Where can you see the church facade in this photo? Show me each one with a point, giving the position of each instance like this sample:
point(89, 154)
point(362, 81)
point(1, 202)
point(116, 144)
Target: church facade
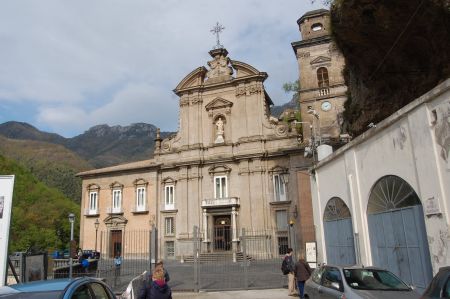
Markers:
point(230, 166)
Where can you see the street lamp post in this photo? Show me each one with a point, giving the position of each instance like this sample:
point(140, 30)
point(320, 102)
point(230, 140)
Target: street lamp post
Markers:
point(71, 220)
point(97, 224)
point(293, 230)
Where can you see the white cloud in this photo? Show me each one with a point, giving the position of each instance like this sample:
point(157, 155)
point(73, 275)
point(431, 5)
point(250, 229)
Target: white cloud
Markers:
point(91, 59)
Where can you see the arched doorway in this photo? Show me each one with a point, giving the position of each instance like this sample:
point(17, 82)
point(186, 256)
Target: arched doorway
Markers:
point(338, 230)
point(398, 237)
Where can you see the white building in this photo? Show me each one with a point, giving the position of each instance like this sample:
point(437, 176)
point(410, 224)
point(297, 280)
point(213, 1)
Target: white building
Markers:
point(384, 198)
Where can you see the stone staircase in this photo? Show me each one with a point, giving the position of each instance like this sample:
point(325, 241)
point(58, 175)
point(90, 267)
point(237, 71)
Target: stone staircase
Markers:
point(221, 256)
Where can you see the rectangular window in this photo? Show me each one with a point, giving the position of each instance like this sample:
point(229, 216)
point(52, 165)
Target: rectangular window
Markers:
point(279, 188)
point(140, 199)
point(170, 226)
point(117, 201)
point(220, 190)
point(169, 197)
point(170, 248)
point(281, 220)
point(93, 202)
point(282, 245)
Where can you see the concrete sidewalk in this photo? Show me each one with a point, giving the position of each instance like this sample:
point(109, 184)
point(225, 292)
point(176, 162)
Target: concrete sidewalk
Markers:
point(253, 294)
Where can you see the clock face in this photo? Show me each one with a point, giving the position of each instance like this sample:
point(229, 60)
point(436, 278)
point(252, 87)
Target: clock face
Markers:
point(326, 106)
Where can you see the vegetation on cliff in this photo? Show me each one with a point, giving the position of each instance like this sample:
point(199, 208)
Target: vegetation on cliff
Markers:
point(50, 163)
point(39, 213)
point(395, 51)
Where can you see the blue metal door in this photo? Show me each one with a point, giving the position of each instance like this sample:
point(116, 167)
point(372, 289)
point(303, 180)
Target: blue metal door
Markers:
point(398, 242)
point(338, 230)
point(339, 242)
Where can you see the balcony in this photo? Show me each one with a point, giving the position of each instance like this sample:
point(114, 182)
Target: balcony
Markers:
point(89, 212)
point(139, 210)
point(220, 202)
point(113, 211)
point(324, 92)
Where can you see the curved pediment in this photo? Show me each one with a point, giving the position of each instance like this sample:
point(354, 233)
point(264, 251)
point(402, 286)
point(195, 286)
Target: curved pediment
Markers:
point(115, 220)
point(218, 103)
point(116, 185)
point(195, 78)
point(278, 169)
point(217, 169)
point(243, 69)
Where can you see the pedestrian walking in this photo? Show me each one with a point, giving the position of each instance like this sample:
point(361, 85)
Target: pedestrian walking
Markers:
point(156, 288)
point(302, 273)
point(117, 265)
point(288, 264)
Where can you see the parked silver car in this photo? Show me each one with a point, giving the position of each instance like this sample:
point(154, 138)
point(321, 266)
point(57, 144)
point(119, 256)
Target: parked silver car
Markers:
point(329, 281)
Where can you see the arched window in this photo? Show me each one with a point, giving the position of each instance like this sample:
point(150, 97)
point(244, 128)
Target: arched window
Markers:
point(316, 27)
point(389, 193)
point(322, 77)
point(336, 209)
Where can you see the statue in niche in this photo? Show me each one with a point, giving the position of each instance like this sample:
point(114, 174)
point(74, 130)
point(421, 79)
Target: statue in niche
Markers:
point(219, 131)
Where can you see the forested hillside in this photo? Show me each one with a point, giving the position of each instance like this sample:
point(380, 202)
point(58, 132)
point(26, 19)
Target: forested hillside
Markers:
point(50, 163)
point(39, 214)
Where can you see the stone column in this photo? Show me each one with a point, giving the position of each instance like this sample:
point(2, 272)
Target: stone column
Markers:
point(234, 228)
point(205, 226)
point(233, 224)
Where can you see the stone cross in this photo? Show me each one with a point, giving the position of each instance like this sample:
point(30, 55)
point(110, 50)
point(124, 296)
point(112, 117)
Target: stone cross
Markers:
point(216, 30)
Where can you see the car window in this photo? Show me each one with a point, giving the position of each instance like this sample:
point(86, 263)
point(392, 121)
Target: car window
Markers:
point(317, 275)
point(331, 278)
point(99, 291)
point(374, 279)
point(82, 293)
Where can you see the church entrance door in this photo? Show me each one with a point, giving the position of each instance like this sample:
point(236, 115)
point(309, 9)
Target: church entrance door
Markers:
point(222, 233)
point(116, 243)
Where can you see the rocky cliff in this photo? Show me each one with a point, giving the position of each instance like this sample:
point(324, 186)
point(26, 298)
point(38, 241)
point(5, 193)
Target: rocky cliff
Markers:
point(395, 51)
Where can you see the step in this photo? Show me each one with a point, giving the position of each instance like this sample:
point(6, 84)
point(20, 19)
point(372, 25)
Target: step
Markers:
point(216, 257)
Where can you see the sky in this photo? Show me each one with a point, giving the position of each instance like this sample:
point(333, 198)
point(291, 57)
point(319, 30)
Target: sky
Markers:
point(66, 66)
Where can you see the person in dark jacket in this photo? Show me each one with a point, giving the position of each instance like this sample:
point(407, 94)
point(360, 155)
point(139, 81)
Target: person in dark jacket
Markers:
point(291, 275)
point(302, 273)
point(157, 287)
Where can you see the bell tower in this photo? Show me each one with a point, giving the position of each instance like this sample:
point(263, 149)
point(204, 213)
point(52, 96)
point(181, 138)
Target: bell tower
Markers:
point(322, 88)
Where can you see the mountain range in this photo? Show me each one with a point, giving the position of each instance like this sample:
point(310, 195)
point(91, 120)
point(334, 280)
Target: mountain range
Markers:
point(100, 146)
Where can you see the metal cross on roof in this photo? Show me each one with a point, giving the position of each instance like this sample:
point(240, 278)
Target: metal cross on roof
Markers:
point(216, 30)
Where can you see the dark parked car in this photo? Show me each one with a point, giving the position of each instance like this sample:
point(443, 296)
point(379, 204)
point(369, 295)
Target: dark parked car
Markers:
point(78, 288)
point(439, 286)
point(329, 281)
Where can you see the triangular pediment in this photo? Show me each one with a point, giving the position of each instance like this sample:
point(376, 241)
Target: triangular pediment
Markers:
point(320, 59)
point(218, 103)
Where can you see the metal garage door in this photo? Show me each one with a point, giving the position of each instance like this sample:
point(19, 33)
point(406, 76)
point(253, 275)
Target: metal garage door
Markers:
point(397, 231)
point(338, 229)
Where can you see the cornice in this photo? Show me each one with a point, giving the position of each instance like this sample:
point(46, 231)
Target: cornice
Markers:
point(310, 42)
point(261, 77)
